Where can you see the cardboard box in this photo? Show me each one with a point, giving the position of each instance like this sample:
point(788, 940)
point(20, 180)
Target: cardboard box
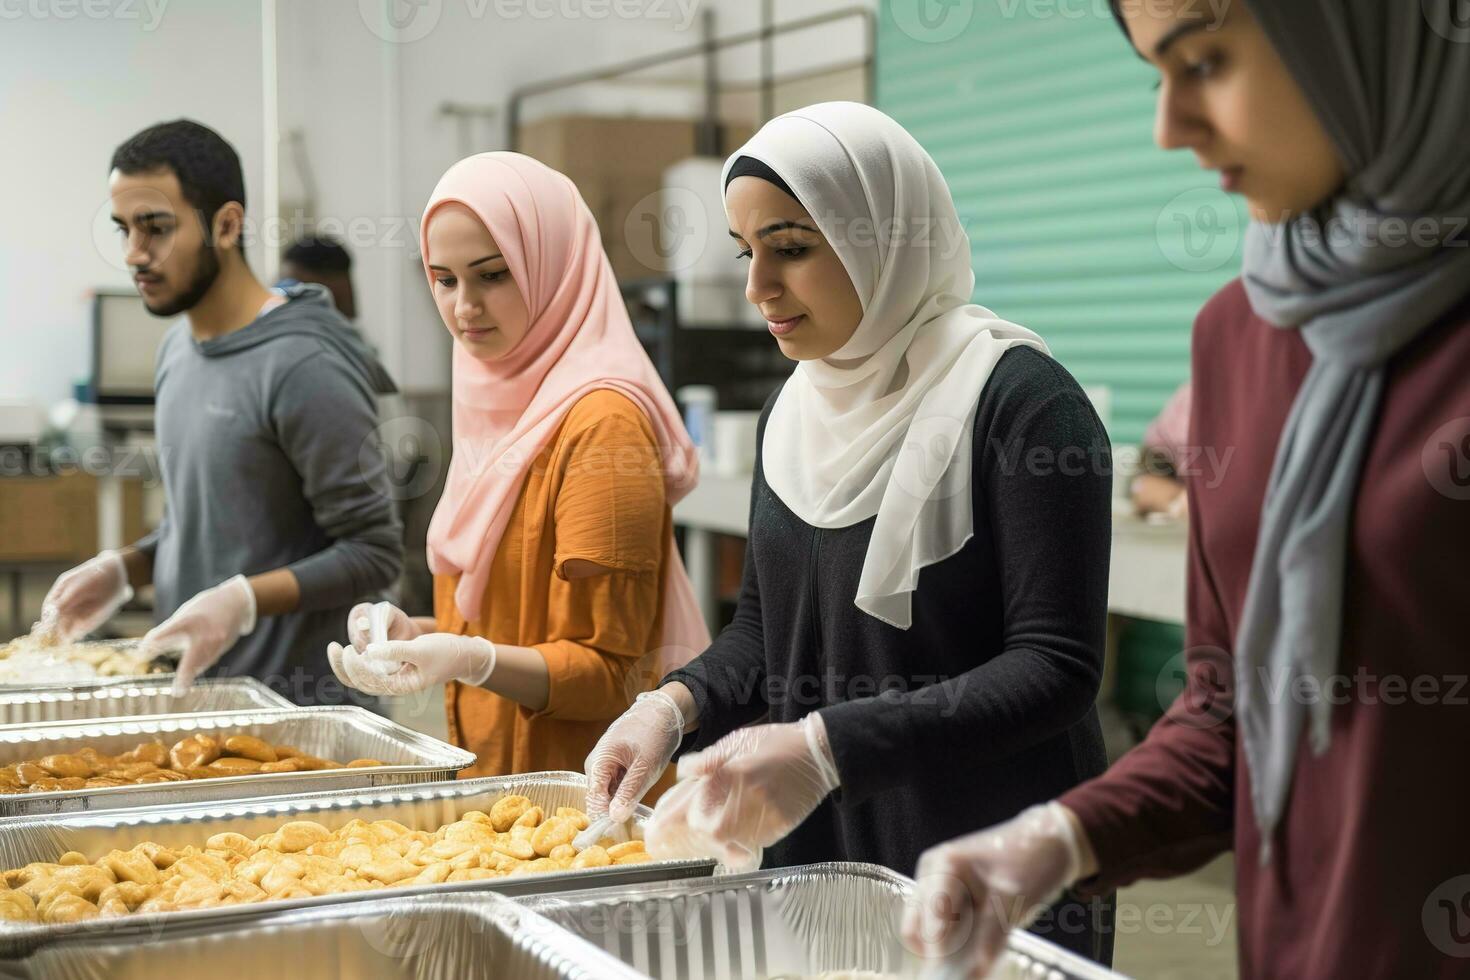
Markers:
point(51, 518)
point(618, 165)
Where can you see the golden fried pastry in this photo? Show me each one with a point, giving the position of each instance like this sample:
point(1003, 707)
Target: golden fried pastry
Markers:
point(197, 756)
point(196, 750)
point(551, 834)
point(282, 765)
point(250, 747)
point(130, 866)
point(230, 765)
point(63, 766)
point(506, 811)
point(303, 858)
point(232, 843)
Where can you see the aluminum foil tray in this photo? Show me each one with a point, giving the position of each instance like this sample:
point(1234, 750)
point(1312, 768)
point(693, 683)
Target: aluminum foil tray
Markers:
point(421, 807)
point(820, 919)
point(416, 938)
point(340, 733)
point(141, 696)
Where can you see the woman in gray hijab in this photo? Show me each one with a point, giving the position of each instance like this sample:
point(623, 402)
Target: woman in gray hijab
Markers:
point(1327, 572)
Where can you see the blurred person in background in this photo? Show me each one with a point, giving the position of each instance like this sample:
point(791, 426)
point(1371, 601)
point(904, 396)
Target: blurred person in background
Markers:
point(276, 520)
point(1327, 573)
point(1159, 488)
point(323, 260)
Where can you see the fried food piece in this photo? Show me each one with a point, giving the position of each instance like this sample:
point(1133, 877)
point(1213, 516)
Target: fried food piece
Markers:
point(232, 843)
point(552, 834)
point(63, 766)
point(593, 857)
point(230, 765)
point(531, 819)
point(298, 835)
point(131, 866)
point(507, 810)
point(154, 753)
point(576, 816)
point(250, 747)
point(68, 908)
point(29, 773)
point(624, 849)
point(195, 750)
point(17, 907)
point(282, 765)
point(160, 776)
point(162, 857)
point(303, 858)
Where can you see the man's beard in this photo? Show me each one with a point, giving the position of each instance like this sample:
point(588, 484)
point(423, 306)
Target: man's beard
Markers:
point(205, 273)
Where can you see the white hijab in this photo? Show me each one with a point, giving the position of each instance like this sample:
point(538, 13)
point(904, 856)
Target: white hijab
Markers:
point(883, 426)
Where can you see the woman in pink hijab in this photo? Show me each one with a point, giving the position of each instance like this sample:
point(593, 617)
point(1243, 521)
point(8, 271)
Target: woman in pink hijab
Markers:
point(559, 594)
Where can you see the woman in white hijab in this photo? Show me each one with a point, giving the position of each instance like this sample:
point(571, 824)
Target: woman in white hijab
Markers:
point(922, 615)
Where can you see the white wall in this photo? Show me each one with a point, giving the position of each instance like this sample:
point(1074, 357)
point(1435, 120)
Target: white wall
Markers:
point(364, 96)
point(76, 79)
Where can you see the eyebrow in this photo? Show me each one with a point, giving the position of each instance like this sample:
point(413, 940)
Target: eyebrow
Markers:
point(1182, 30)
point(776, 226)
point(488, 258)
point(145, 216)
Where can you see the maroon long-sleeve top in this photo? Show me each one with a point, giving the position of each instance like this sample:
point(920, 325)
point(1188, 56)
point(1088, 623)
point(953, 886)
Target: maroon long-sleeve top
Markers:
point(1370, 870)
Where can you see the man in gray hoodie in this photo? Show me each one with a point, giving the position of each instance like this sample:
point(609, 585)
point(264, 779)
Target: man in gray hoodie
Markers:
point(278, 510)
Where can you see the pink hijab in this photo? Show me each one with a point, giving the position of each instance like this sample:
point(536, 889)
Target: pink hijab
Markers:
point(579, 340)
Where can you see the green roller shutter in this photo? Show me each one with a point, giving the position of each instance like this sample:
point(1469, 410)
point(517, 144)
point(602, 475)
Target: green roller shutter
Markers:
point(1081, 228)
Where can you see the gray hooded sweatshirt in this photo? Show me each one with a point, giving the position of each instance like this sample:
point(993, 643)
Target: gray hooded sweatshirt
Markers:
point(269, 456)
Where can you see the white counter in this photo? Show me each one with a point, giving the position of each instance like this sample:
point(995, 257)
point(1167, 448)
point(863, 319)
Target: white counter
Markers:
point(1146, 577)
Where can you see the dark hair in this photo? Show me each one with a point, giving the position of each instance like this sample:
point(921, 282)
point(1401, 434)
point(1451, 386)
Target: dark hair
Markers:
point(319, 253)
point(1116, 6)
point(208, 168)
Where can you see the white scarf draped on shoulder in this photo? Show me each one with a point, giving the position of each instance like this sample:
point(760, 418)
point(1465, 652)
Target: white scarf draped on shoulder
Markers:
point(883, 427)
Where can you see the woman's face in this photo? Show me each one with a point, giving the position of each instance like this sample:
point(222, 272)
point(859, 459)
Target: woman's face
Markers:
point(477, 299)
point(796, 279)
point(1225, 94)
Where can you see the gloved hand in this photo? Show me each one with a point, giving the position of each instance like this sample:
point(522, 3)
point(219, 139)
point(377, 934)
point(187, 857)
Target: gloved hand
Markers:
point(205, 627)
point(974, 889)
point(751, 788)
point(83, 598)
point(398, 625)
point(409, 666)
point(631, 755)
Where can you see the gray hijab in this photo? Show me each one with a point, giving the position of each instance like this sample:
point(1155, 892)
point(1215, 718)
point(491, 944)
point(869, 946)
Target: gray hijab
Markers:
point(1390, 81)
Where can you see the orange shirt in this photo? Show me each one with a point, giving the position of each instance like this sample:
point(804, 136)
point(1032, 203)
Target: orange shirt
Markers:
point(595, 492)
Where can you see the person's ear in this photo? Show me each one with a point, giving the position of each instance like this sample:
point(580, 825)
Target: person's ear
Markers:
point(229, 226)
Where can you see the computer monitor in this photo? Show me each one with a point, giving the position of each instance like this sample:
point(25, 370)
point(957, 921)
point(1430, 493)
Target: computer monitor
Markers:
point(125, 339)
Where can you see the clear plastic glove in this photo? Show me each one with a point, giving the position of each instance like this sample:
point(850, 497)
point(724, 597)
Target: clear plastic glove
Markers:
point(618, 831)
point(409, 666)
point(974, 889)
point(204, 628)
point(748, 790)
point(631, 755)
point(83, 598)
point(394, 623)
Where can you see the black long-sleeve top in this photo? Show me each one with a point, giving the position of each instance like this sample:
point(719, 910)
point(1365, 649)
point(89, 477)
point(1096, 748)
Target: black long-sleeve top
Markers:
point(985, 705)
